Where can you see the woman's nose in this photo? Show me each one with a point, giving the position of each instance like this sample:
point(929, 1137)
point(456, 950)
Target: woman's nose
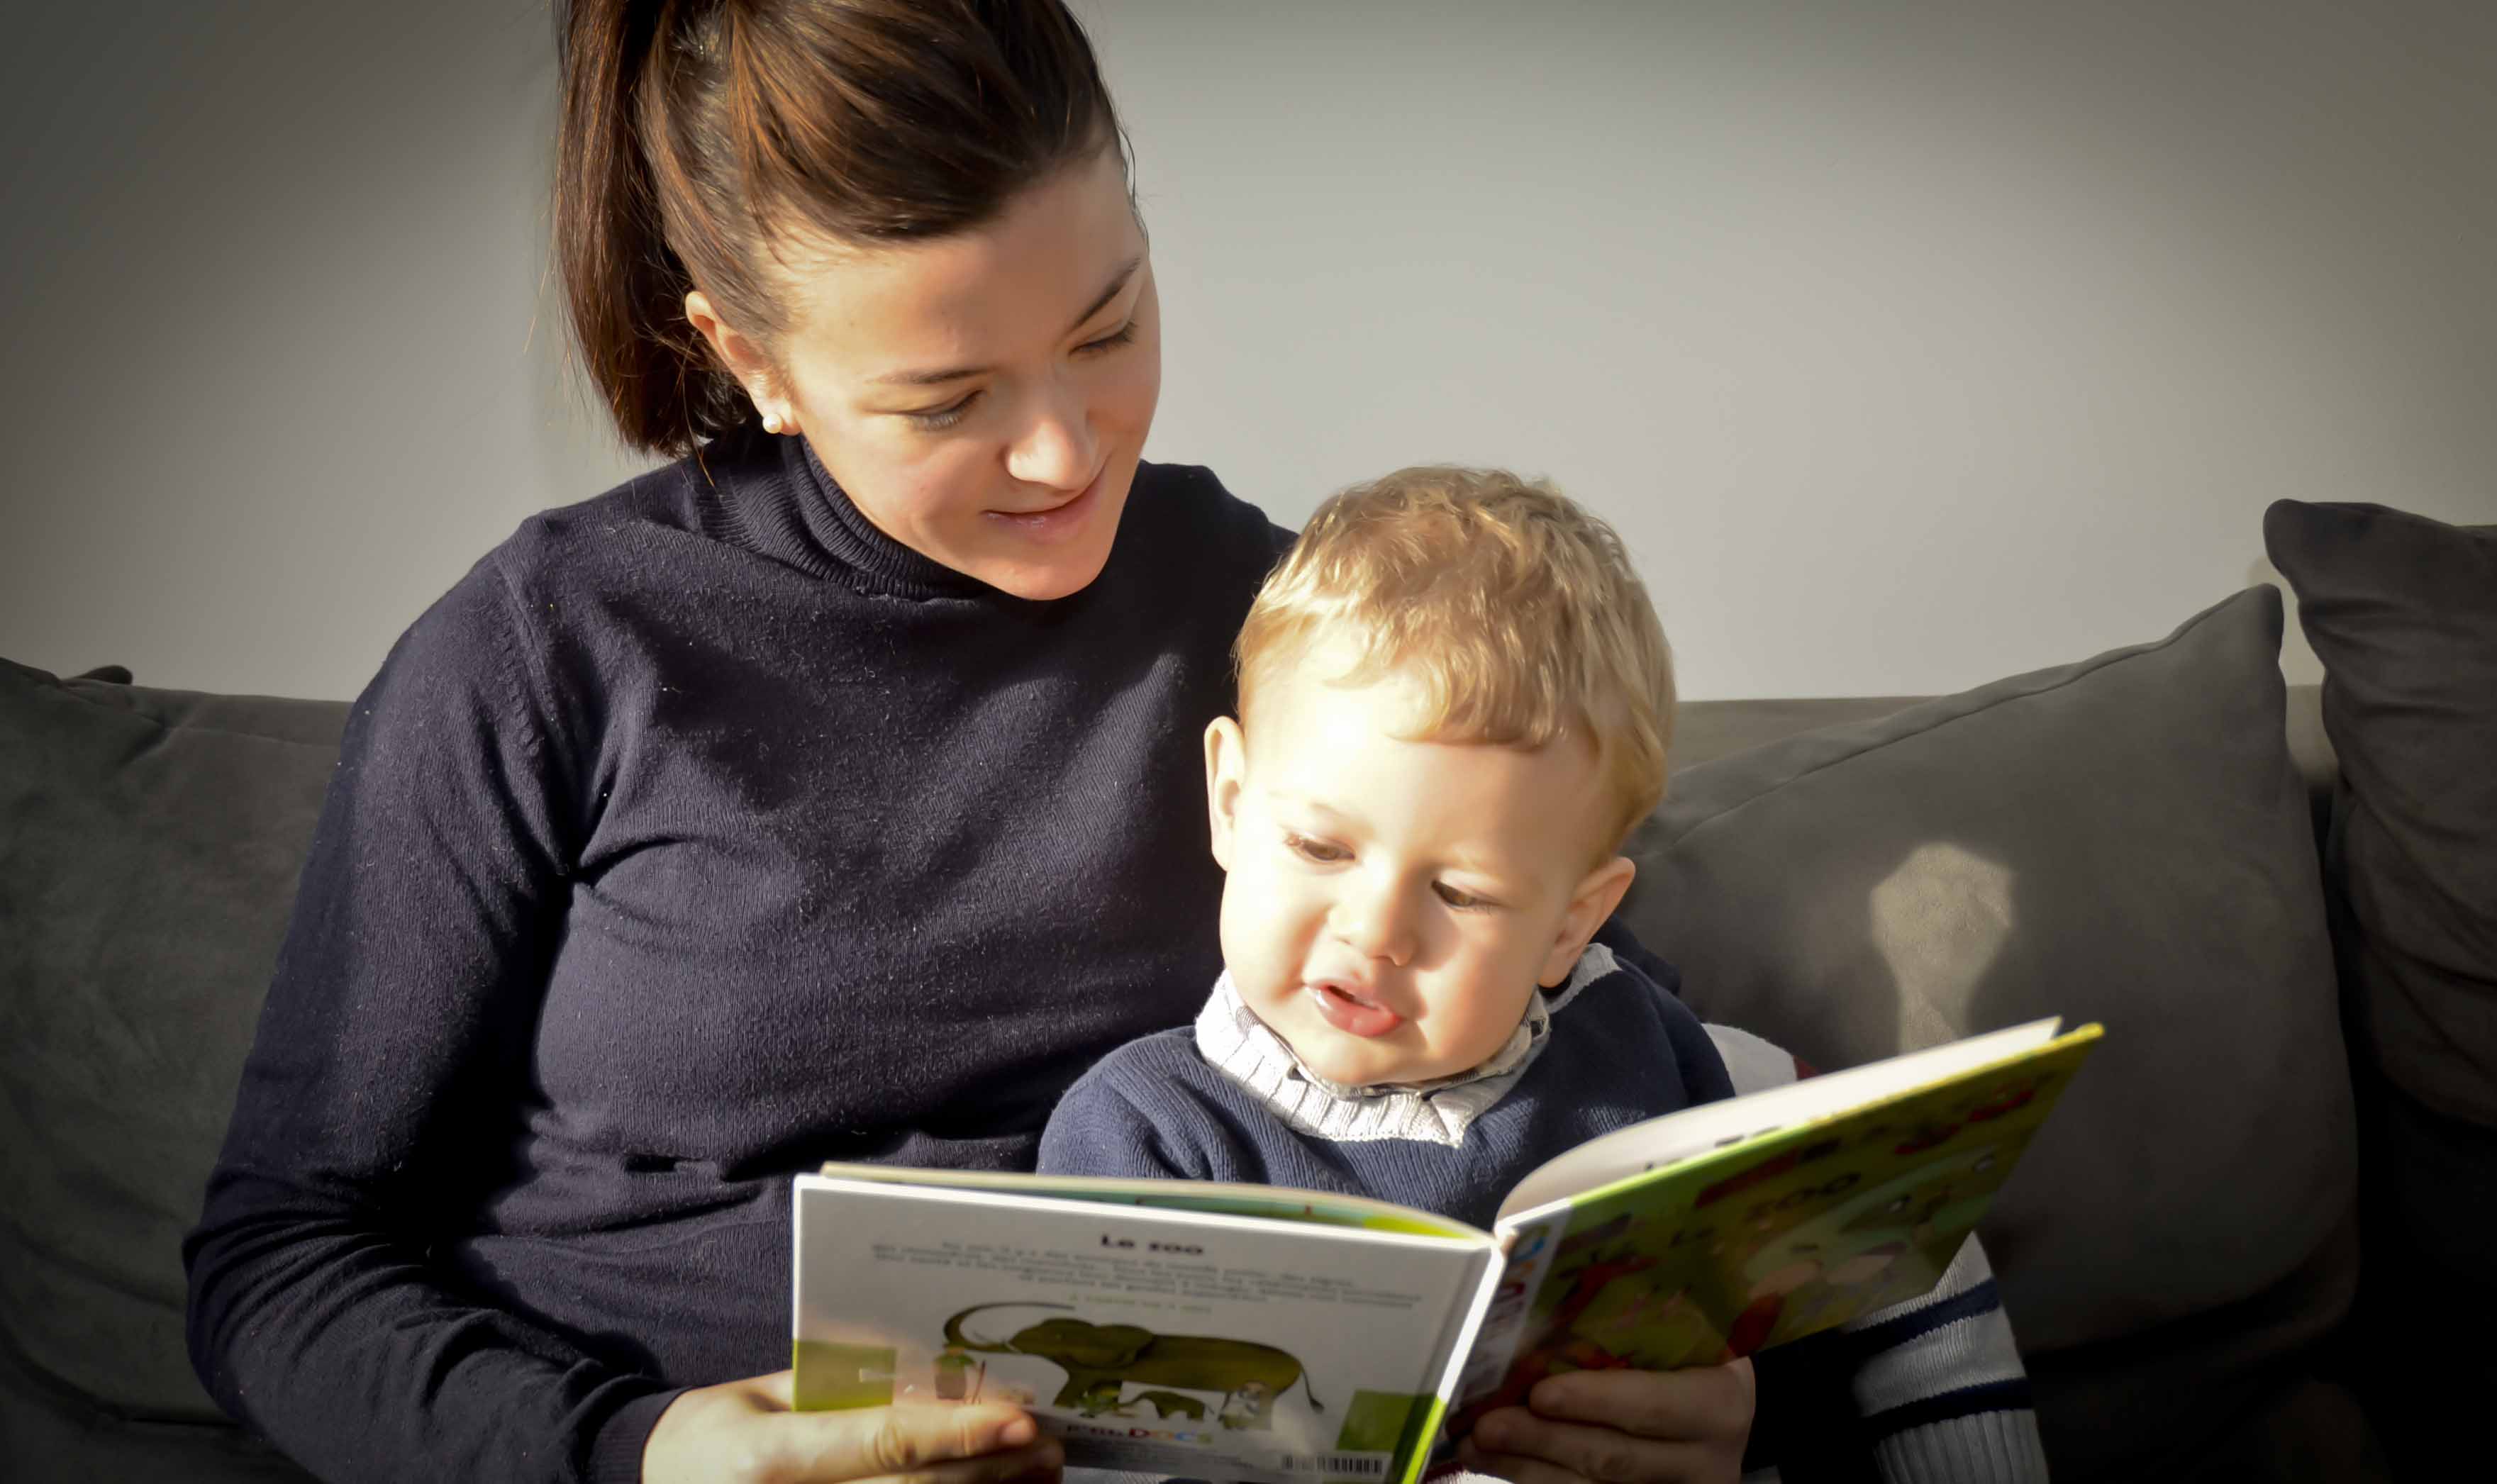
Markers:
point(1057, 449)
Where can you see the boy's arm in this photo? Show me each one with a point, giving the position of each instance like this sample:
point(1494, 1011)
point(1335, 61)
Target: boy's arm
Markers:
point(1939, 1385)
point(1112, 1122)
point(1934, 1389)
point(1936, 1384)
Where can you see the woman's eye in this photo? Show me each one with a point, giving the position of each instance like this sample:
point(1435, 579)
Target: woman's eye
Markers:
point(946, 416)
point(936, 419)
point(1319, 852)
point(1122, 335)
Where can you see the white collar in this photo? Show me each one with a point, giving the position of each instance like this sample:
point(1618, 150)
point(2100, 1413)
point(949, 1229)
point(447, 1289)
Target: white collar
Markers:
point(1232, 1039)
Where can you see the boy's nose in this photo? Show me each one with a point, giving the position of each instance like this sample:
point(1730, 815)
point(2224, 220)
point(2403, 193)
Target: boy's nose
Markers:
point(1377, 924)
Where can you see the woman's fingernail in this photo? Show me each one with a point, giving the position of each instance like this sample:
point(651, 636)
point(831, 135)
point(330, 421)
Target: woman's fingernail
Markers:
point(1019, 1431)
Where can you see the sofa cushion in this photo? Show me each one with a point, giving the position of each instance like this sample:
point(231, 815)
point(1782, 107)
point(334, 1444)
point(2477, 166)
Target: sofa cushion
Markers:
point(149, 843)
point(49, 1435)
point(2125, 841)
point(2402, 610)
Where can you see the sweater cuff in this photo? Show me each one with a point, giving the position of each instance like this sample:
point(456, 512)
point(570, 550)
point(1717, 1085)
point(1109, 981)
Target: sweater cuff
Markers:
point(1998, 1447)
point(616, 1452)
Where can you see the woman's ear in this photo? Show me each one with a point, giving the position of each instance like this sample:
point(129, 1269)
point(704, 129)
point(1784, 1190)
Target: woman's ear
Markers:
point(1225, 760)
point(1598, 893)
point(743, 357)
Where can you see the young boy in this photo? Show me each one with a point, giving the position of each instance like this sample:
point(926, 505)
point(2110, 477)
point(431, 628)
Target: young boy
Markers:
point(1455, 704)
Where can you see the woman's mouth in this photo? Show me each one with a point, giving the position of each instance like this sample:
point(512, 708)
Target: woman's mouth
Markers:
point(1054, 522)
point(1352, 1011)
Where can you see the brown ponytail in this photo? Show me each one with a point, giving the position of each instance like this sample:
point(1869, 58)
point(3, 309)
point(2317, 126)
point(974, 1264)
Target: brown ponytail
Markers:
point(698, 134)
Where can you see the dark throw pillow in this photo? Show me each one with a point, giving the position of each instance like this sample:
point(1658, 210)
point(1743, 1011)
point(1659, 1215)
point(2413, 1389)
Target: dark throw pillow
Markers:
point(2402, 610)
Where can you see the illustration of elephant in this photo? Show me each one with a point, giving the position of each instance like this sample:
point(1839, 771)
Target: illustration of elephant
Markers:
point(1170, 1404)
point(1102, 1357)
point(1104, 1396)
point(1248, 1408)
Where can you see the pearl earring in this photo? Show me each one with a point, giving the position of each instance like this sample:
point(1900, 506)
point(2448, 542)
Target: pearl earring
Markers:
point(771, 423)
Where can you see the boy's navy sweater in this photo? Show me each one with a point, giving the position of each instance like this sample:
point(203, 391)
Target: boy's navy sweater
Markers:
point(699, 835)
point(1623, 1049)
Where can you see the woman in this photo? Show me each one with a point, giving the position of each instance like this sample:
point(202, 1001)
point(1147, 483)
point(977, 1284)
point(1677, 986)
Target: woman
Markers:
point(828, 793)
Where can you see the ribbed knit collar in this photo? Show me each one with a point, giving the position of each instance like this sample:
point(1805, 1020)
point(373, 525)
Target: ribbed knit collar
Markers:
point(776, 498)
point(1235, 1042)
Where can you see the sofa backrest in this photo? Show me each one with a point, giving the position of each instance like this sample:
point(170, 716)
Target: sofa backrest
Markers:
point(1707, 730)
point(149, 844)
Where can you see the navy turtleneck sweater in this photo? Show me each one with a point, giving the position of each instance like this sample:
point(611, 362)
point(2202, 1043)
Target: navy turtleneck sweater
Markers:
point(700, 834)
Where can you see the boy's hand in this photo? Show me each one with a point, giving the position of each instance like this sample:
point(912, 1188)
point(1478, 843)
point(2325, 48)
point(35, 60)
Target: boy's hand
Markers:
point(744, 1431)
point(1622, 1427)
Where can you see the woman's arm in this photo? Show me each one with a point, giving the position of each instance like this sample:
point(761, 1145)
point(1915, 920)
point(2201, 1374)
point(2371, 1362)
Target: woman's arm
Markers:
point(384, 1088)
point(383, 1102)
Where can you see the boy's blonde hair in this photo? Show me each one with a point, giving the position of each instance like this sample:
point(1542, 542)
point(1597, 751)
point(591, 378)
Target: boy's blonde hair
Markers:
point(1514, 611)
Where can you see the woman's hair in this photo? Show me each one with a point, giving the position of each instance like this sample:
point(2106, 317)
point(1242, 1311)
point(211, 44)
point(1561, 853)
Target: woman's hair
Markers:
point(703, 139)
point(1514, 611)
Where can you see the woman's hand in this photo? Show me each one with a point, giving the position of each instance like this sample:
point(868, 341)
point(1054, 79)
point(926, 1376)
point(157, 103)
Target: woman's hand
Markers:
point(1622, 1427)
point(744, 1431)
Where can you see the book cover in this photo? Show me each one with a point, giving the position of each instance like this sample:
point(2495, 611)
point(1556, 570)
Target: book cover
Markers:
point(1785, 1231)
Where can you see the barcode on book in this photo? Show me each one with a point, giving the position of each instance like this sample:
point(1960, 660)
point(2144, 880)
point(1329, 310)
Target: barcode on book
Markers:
point(1364, 1464)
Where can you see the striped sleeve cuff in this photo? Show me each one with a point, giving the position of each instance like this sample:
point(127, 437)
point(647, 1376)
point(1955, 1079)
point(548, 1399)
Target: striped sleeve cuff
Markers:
point(1985, 1448)
point(1939, 1385)
point(1942, 1355)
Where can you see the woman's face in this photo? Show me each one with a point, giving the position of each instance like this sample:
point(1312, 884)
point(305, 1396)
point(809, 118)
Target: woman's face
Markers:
point(982, 399)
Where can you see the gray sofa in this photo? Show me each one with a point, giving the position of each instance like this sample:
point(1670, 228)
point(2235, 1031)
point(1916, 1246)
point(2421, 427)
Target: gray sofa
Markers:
point(2145, 838)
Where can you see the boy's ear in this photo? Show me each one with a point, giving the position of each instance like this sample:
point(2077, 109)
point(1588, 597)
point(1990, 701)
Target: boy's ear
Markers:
point(1598, 893)
point(1225, 760)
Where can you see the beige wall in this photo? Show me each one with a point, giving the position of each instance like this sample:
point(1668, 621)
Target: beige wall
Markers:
point(277, 262)
point(1909, 344)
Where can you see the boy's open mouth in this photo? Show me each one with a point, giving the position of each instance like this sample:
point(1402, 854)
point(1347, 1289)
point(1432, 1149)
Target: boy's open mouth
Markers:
point(1350, 1011)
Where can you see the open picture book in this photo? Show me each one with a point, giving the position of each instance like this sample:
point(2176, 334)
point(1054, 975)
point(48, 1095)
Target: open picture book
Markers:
point(1292, 1337)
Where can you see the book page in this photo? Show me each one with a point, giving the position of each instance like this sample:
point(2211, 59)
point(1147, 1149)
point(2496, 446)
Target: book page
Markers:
point(1678, 1136)
point(1172, 1342)
point(1272, 1203)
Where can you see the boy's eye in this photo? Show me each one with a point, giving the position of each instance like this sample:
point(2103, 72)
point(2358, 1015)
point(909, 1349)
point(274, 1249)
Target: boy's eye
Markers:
point(1463, 902)
point(1320, 852)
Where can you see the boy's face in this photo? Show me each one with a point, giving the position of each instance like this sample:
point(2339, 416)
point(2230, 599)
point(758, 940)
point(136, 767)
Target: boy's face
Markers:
point(1391, 904)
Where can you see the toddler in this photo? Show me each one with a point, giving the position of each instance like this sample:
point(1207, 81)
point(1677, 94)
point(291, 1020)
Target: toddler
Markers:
point(1455, 703)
